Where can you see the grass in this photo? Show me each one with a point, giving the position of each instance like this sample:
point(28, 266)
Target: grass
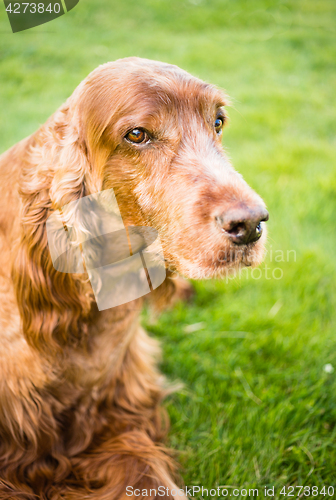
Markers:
point(258, 407)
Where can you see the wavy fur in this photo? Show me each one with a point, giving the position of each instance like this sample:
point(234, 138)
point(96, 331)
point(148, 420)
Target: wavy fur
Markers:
point(80, 393)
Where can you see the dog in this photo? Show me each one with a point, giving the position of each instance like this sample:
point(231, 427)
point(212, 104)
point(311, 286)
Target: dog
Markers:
point(80, 392)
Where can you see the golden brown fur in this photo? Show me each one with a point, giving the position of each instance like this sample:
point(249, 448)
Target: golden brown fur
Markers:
point(80, 392)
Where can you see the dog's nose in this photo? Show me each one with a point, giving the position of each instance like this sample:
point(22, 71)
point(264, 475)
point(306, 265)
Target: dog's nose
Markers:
point(243, 224)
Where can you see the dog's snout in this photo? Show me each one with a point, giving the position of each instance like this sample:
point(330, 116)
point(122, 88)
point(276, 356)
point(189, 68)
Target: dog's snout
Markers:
point(243, 225)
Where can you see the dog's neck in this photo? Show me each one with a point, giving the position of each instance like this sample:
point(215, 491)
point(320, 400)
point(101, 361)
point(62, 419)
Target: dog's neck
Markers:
point(97, 359)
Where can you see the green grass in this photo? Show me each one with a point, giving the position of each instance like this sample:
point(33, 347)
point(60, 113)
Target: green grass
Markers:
point(258, 408)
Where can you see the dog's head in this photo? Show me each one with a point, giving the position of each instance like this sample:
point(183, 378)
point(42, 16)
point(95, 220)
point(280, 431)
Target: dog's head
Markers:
point(152, 132)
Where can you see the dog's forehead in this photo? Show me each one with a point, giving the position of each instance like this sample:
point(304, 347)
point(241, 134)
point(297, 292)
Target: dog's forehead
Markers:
point(132, 80)
point(170, 85)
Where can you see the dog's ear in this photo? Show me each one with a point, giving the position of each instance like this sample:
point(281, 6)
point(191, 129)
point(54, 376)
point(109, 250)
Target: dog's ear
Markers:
point(52, 304)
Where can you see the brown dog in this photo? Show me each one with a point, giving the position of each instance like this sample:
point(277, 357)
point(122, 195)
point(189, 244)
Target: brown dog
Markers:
point(80, 393)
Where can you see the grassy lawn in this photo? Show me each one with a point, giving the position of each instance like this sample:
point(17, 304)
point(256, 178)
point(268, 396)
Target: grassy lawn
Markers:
point(259, 403)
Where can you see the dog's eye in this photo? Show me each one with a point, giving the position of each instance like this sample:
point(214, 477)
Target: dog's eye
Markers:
point(137, 136)
point(219, 124)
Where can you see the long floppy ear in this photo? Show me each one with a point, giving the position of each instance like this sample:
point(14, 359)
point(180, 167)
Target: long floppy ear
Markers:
point(53, 305)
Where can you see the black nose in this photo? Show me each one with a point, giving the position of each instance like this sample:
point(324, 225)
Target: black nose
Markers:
point(243, 225)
